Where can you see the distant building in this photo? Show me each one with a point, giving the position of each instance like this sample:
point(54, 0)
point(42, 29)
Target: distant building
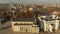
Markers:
point(48, 24)
point(25, 25)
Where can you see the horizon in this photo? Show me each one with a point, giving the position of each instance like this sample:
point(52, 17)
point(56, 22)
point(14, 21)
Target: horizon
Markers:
point(31, 1)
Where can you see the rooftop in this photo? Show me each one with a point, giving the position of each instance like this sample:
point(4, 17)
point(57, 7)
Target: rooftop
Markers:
point(24, 19)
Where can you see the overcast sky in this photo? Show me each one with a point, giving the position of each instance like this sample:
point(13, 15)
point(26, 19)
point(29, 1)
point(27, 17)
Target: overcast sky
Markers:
point(32, 1)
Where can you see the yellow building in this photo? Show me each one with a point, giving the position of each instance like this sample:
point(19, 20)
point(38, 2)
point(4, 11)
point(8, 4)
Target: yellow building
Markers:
point(25, 25)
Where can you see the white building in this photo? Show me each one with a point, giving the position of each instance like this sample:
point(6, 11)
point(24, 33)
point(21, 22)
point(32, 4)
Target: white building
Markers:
point(25, 25)
point(49, 24)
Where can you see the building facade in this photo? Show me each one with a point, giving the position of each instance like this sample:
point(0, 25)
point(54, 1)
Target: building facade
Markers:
point(25, 26)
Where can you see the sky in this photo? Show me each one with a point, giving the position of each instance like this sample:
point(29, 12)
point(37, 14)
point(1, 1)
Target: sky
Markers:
point(32, 1)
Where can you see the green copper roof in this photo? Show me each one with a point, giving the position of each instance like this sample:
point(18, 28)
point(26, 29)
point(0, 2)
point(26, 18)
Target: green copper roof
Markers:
point(24, 19)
